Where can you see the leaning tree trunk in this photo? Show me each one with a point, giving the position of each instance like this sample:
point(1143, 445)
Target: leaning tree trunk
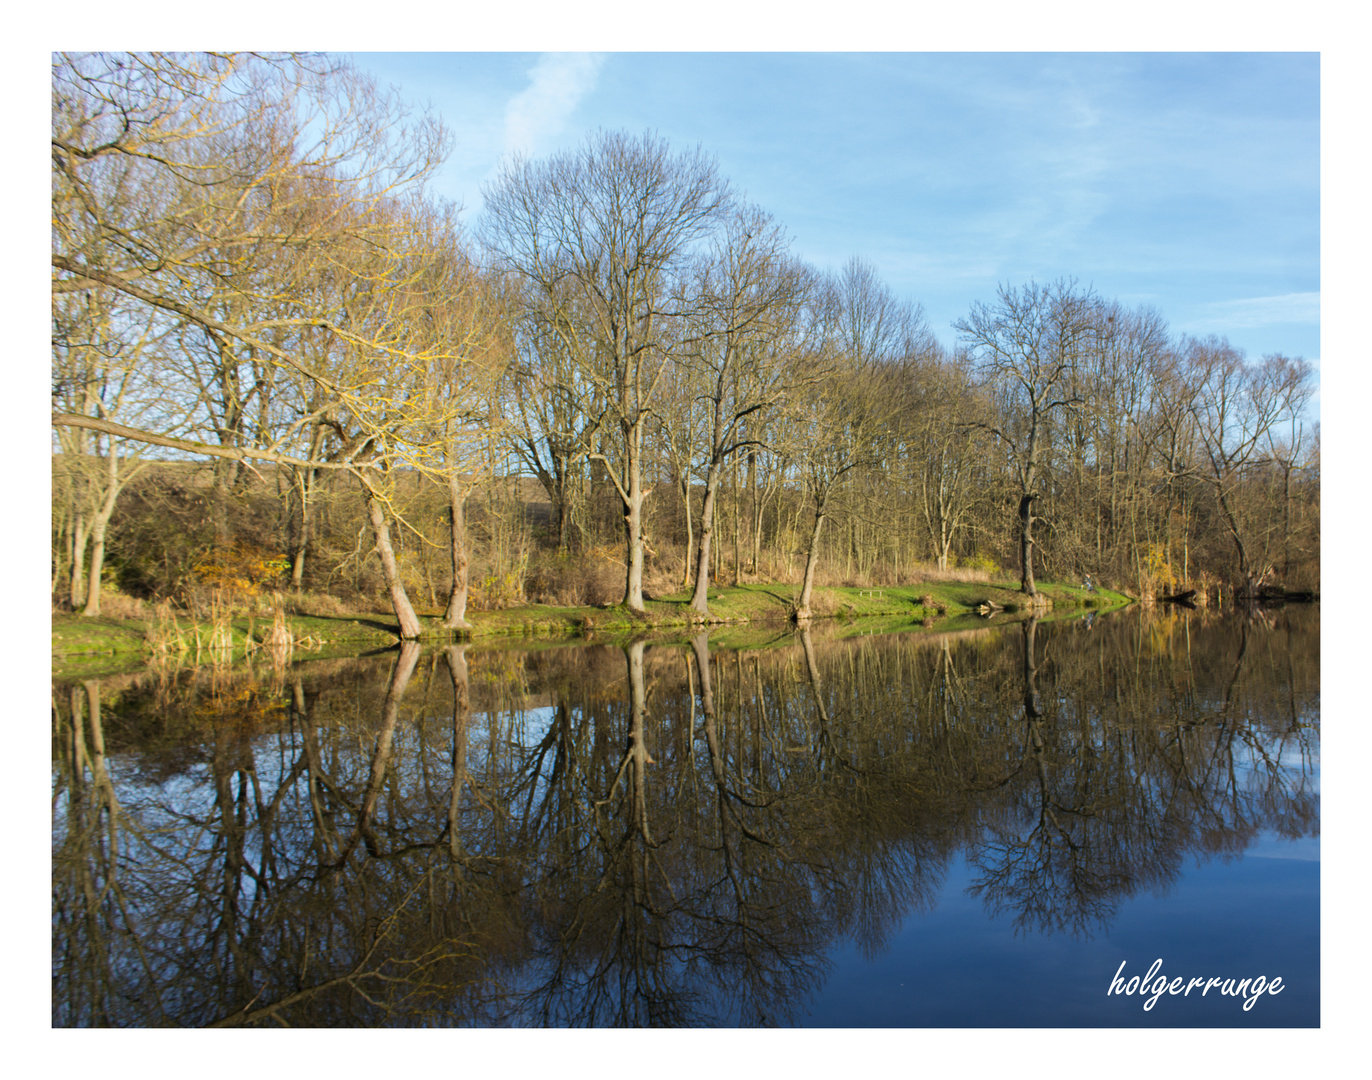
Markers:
point(811, 559)
point(455, 617)
point(404, 612)
point(381, 755)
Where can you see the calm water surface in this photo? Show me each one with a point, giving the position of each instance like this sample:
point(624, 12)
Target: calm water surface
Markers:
point(917, 829)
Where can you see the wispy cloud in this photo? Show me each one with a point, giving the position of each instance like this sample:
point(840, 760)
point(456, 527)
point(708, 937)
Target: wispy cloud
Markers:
point(557, 84)
point(1302, 307)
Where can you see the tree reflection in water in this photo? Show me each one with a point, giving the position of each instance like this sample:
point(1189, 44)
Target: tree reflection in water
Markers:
point(646, 834)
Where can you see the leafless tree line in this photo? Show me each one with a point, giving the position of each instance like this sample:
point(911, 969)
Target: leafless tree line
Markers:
point(250, 272)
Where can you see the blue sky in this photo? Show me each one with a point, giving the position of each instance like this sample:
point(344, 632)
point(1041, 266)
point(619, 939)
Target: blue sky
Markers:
point(1188, 181)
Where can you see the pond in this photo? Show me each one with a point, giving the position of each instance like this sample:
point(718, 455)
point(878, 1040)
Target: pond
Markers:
point(1111, 821)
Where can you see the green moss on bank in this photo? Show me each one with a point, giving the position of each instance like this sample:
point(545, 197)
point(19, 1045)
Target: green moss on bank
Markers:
point(81, 645)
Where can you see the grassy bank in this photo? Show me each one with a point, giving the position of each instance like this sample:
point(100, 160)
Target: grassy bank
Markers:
point(80, 644)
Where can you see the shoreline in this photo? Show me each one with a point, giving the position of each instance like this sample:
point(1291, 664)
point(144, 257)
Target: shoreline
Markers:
point(80, 643)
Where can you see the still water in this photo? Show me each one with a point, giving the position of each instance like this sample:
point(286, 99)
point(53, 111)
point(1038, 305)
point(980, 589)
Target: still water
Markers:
point(908, 829)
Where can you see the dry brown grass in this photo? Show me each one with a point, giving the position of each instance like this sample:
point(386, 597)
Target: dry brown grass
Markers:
point(279, 638)
point(823, 603)
point(117, 605)
point(583, 580)
point(316, 605)
point(968, 574)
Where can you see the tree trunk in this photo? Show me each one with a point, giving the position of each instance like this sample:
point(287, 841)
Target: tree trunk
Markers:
point(1231, 523)
point(755, 517)
point(737, 523)
point(79, 533)
point(633, 522)
point(455, 617)
point(685, 484)
point(561, 496)
point(699, 601)
point(559, 507)
point(381, 754)
point(92, 606)
point(1286, 521)
point(637, 750)
point(304, 489)
point(98, 526)
point(404, 612)
point(633, 570)
point(811, 558)
point(221, 494)
point(462, 711)
point(1026, 544)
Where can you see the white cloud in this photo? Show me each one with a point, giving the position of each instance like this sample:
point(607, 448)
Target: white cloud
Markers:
point(557, 83)
point(1302, 307)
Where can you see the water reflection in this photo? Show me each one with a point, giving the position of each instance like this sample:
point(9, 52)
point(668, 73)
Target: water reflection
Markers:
point(645, 834)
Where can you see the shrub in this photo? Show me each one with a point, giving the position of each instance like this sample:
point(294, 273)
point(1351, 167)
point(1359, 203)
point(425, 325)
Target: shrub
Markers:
point(234, 577)
point(495, 592)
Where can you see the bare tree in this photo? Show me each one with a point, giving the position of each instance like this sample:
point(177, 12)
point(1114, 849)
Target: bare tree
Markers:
point(598, 235)
point(100, 372)
point(947, 450)
point(865, 332)
point(272, 209)
point(554, 410)
point(749, 296)
point(1027, 346)
point(1236, 408)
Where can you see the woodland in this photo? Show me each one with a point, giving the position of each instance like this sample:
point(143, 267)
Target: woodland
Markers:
point(283, 367)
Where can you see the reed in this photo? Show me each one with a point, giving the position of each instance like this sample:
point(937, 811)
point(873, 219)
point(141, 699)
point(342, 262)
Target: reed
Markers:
point(165, 637)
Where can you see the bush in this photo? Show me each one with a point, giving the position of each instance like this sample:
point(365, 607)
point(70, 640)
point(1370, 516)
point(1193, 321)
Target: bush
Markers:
point(983, 564)
point(241, 571)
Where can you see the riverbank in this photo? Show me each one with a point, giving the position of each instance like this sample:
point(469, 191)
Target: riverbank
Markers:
point(98, 643)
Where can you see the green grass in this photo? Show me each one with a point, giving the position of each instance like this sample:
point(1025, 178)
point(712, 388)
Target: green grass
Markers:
point(96, 645)
point(751, 614)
